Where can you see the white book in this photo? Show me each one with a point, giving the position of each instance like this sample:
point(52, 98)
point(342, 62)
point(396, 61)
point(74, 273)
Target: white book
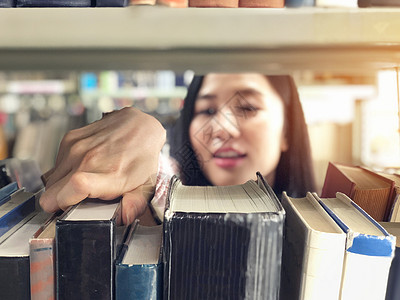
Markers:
point(369, 249)
point(313, 251)
point(336, 3)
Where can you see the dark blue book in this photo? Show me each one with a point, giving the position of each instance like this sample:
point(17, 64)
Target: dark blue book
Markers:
point(20, 205)
point(393, 286)
point(55, 3)
point(86, 247)
point(6, 191)
point(138, 271)
point(112, 3)
point(7, 3)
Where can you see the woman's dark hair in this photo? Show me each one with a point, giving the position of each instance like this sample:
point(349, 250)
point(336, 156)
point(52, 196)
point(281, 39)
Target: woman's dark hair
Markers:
point(294, 173)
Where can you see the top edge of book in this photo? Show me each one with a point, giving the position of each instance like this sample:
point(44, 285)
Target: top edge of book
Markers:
point(93, 210)
point(250, 197)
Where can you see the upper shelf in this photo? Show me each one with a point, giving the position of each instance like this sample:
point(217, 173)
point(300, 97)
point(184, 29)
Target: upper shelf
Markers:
point(208, 39)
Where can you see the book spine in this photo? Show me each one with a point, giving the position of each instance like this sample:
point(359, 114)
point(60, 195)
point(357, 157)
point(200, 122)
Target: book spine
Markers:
point(262, 3)
point(42, 269)
point(54, 3)
point(85, 253)
point(393, 286)
point(299, 3)
point(14, 278)
point(16, 215)
point(112, 3)
point(6, 191)
point(138, 282)
point(222, 256)
point(7, 3)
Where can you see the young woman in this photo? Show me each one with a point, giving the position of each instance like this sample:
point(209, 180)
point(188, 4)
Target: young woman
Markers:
point(231, 126)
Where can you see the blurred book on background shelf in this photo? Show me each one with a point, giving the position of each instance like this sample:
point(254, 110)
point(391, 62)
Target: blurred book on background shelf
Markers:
point(371, 191)
point(377, 3)
point(7, 3)
point(262, 3)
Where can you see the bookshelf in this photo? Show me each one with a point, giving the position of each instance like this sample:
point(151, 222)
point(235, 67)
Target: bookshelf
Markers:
point(145, 37)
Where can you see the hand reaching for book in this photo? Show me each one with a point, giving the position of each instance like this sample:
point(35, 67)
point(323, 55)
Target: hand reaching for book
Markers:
point(117, 155)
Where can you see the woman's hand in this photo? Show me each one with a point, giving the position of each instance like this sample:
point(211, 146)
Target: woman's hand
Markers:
point(117, 155)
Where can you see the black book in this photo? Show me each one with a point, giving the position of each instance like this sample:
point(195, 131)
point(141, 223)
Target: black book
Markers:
point(14, 258)
point(393, 286)
point(86, 248)
point(55, 3)
point(112, 3)
point(222, 242)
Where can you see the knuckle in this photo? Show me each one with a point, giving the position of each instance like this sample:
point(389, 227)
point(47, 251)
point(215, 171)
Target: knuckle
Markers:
point(77, 148)
point(90, 159)
point(79, 183)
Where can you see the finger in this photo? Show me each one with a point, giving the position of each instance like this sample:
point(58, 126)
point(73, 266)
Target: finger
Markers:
point(77, 186)
point(134, 204)
point(71, 158)
point(71, 137)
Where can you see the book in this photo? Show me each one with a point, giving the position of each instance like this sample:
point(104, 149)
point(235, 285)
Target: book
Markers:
point(369, 3)
point(394, 215)
point(112, 3)
point(86, 246)
point(336, 3)
point(7, 3)
point(143, 2)
point(262, 3)
point(372, 192)
point(299, 3)
point(393, 287)
point(174, 3)
point(222, 242)
point(213, 3)
point(25, 172)
point(313, 251)
point(6, 191)
point(42, 260)
point(14, 258)
point(20, 204)
point(55, 3)
point(369, 249)
point(138, 271)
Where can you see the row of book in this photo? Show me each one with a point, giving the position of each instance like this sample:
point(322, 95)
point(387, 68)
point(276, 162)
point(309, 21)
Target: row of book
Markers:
point(200, 3)
point(216, 242)
point(63, 3)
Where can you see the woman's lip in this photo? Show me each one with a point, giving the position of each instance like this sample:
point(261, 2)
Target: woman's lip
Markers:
point(228, 158)
point(227, 152)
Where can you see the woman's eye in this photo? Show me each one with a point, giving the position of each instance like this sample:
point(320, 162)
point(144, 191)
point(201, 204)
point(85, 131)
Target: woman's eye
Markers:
point(209, 111)
point(245, 110)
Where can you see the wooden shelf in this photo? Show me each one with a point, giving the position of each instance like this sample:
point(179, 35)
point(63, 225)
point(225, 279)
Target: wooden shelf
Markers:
point(208, 39)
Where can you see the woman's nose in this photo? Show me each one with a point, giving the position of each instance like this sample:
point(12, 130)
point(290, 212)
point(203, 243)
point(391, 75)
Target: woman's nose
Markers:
point(227, 124)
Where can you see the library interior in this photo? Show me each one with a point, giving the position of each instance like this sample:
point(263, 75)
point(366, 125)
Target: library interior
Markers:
point(65, 64)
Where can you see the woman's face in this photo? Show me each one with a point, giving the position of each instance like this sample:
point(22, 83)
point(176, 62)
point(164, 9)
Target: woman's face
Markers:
point(238, 128)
